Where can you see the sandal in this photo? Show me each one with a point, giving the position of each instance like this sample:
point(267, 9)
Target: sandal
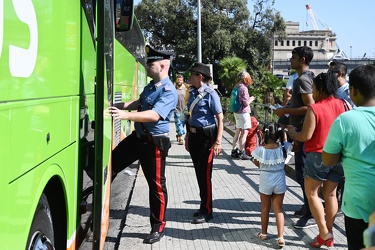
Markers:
point(262, 236)
point(320, 242)
point(280, 242)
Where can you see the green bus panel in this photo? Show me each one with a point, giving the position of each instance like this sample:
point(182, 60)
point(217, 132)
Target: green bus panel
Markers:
point(47, 61)
point(48, 70)
point(43, 57)
point(129, 79)
point(88, 59)
point(38, 129)
point(28, 165)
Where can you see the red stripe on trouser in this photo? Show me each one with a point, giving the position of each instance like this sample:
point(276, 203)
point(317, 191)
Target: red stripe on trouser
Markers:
point(208, 180)
point(159, 187)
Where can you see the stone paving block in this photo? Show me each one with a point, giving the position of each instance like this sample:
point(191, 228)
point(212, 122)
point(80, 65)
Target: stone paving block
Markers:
point(236, 203)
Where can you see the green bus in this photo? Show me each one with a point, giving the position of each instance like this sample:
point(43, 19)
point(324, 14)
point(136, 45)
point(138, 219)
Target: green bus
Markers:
point(62, 63)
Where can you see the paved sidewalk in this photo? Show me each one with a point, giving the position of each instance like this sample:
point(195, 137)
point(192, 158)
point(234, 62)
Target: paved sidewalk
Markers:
point(236, 208)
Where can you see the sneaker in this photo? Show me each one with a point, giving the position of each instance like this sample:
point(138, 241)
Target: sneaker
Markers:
point(300, 213)
point(235, 153)
point(305, 222)
point(244, 156)
point(197, 213)
point(202, 218)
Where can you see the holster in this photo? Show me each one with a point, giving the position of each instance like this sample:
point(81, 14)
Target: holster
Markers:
point(163, 143)
point(210, 131)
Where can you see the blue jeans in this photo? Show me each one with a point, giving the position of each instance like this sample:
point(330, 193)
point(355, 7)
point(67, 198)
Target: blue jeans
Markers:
point(179, 124)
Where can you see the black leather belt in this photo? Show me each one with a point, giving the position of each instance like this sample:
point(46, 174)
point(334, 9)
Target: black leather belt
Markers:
point(144, 137)
point(196, 130)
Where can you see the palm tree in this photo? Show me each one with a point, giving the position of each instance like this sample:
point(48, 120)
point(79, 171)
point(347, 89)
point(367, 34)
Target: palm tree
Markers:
point(229, 68)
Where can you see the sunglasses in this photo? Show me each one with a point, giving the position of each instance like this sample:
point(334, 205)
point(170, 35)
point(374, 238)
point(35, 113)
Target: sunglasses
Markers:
point(194, 73)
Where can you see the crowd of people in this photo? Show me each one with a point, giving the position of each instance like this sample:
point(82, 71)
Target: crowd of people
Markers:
point(326, 121)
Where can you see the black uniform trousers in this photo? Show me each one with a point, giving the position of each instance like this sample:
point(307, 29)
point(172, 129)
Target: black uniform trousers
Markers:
point(202, 157)
point(133, 148)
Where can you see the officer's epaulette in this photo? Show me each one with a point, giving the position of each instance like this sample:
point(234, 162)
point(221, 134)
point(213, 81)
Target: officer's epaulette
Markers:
point(167, 88)
point(209, 90)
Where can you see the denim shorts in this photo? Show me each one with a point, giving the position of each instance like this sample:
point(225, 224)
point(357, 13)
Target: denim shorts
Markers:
point(315, 169)
point(272, 182)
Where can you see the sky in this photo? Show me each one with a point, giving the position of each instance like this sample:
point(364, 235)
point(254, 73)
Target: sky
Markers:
point(352, 21)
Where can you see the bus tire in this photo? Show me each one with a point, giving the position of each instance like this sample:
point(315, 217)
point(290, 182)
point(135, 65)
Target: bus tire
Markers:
point(41, 235)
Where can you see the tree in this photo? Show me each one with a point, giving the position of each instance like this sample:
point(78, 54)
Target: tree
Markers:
point(229, 68)
point(173, 24)
point(228, 30)
point(168, 24)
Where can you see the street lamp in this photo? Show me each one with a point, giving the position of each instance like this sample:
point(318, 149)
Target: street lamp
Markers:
point(199, 45)
point(350, 51)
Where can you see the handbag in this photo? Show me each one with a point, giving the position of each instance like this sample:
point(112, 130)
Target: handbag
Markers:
point(184, 114)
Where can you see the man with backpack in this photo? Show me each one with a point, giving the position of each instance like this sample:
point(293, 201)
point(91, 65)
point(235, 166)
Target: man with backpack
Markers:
point(240, 106)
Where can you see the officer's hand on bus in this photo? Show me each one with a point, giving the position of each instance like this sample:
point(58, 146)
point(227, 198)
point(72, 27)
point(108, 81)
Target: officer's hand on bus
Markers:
point(119, 105)
point(116, 113)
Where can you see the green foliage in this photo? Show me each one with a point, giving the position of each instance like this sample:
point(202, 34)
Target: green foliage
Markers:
point(267, 83)
point(229, 33)
point(228, 70)
point(225, 27)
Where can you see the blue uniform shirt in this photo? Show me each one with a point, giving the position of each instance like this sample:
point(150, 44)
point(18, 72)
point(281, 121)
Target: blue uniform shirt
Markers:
point(162, 98)
point(205, 111)
point(343, 93)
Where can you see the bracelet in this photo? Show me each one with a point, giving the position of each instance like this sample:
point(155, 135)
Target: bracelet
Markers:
point(217, 143)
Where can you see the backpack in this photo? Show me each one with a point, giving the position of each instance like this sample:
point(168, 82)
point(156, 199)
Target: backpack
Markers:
point(234, 102)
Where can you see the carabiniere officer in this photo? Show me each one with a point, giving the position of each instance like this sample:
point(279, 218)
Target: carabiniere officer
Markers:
point(150, 142)
point(204, 134)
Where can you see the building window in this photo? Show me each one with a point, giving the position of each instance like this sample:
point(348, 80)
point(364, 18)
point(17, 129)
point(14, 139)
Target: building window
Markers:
point(293, 43)
point(310, 43)
point(282, 43)
point(287, 43)
point(276, 43)
point(299, 43)
point(304, 43)
point(316, 43)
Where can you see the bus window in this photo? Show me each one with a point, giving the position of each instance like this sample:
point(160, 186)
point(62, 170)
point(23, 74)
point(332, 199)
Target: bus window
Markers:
point(123, 14)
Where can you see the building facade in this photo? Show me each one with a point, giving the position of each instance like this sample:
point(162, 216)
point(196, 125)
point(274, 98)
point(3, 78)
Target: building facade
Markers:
point(322, 42)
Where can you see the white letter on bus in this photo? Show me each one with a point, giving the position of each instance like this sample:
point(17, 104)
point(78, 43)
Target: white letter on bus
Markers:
point(22, 61)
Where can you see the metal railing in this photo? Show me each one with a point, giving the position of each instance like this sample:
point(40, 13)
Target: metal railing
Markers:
point(262, 112)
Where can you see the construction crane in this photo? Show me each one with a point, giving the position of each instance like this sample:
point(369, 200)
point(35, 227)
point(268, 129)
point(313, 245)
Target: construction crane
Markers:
point(312, 14)
point(313, 17)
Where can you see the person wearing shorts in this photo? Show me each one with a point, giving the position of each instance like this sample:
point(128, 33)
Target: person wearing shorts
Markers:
point(318, 120)
point(242, 117)
point(315, 169)
point(243, 120)
point(270, 159)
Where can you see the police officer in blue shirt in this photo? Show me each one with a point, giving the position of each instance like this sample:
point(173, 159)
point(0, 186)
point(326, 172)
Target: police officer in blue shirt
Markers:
point(150, 142)
point(204, 134)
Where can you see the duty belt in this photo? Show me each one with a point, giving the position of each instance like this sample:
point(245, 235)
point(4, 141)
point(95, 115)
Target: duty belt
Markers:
point(147, 137)
point(196, 130)
point(144, 137)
